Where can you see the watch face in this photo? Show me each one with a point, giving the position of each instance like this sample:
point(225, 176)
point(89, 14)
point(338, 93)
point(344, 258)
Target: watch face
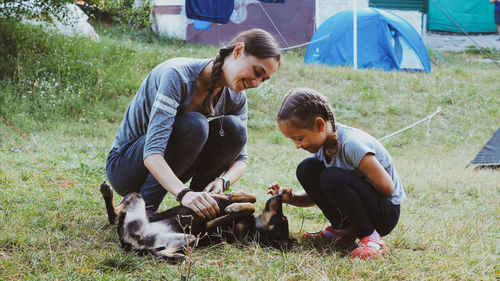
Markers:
point(226, 183)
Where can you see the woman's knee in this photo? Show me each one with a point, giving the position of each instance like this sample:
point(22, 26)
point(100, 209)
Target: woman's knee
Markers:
point(235, 129)
point(192, 125)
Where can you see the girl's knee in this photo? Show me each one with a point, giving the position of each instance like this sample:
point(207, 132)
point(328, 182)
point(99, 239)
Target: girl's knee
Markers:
point(309, 166)
point(333, 178)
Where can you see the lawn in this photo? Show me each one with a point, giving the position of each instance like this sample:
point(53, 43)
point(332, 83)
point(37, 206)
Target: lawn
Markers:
point(68, 96)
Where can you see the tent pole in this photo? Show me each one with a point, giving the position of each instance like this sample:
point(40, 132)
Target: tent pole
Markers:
point(355, 34)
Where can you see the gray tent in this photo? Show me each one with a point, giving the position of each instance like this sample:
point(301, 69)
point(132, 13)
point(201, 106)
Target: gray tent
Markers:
point(489, 155)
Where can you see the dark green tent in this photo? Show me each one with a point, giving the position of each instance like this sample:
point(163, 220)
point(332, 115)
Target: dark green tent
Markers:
point(489, 155)
point(473, 16)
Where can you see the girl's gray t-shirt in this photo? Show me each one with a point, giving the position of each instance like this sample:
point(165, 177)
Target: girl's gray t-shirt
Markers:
point(353, 145)
point(166, 93)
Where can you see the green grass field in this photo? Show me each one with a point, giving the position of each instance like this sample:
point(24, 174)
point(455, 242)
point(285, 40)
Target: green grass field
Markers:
point(68, 95)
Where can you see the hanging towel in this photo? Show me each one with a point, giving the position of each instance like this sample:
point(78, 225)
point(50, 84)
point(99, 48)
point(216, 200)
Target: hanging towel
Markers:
point(217, 11)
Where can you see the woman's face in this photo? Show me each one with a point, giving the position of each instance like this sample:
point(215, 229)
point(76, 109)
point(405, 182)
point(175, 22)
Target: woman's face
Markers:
point(243, 71)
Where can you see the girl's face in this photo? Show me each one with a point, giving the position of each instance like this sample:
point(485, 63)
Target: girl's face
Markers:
point(243, 71)
point(308, 139)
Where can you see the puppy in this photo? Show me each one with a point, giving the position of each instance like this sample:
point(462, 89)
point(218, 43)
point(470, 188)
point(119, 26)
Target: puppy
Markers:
point(167, 234)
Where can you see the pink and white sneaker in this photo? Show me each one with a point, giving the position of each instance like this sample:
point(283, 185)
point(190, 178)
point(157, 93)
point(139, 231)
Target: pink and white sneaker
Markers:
point(370, 247)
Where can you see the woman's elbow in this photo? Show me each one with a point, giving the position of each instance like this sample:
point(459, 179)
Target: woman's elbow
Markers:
point(149, 160)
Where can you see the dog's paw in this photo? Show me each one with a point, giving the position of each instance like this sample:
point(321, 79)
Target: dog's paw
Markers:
point(240, 196)
point(106, 190)
point(240, 208)
point(176, 258)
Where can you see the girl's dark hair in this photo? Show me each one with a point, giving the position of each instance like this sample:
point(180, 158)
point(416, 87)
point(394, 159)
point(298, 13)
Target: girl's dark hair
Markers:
point(258, 43)
point(301, 107)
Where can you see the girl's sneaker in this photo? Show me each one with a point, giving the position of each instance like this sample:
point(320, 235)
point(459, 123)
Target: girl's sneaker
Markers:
point(343, 236)
point(370, 247)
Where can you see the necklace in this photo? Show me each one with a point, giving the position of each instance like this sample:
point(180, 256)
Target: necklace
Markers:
point(329, 152)
point(221, 121)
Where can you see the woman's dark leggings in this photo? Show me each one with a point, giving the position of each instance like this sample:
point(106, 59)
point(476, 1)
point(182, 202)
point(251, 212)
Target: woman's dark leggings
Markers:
point(347, 200)
point(195, 151)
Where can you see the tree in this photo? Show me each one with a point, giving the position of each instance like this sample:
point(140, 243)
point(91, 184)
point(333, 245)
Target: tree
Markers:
point(42, 9)
point(120, 11)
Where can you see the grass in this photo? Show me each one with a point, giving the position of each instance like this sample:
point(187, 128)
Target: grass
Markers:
point(52, 217)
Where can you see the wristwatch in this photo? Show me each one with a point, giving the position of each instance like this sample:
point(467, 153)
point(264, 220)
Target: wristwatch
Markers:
point(225, 183)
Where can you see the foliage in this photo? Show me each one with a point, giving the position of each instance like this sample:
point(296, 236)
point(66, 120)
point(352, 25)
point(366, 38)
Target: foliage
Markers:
point(50, 230)
point(121, 11)
point(17, 9)
point(118, 11)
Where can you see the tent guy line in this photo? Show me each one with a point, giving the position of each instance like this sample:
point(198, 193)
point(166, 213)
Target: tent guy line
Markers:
point(429, 117)
point(305, 44)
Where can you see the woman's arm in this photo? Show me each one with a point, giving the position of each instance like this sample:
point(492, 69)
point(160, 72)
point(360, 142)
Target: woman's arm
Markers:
point(233, 174)
point(200, 202)
point(374, 171)
point(299, 199)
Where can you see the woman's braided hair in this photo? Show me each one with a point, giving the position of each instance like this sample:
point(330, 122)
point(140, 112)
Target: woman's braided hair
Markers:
point(301, 107)
point(258, 43)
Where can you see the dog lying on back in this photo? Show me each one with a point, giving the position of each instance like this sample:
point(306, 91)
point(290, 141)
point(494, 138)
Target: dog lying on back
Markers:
point(167, 234)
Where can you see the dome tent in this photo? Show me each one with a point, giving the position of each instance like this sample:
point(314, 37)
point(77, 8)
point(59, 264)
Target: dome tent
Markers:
point(385, 41)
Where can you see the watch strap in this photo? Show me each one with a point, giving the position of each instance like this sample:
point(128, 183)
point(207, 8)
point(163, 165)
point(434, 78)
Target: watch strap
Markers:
point(225, 183)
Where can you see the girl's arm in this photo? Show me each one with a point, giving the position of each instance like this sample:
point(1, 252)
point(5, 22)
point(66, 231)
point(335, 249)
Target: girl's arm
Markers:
point(299, 199)
point(200, 202)
point(374, 171)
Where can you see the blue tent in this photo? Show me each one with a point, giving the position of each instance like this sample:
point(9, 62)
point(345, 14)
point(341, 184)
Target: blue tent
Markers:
point(385, 41)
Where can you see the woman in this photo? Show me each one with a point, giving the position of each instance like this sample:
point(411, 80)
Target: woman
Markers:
point(166, 137)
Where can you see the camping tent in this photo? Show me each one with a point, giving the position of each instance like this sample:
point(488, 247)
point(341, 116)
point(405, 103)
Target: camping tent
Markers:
point(385, 41)
point(489, 155)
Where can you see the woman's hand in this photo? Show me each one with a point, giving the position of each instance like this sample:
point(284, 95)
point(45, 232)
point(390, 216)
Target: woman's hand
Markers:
point(215, 187)
point(286, 192)
point(201, 203)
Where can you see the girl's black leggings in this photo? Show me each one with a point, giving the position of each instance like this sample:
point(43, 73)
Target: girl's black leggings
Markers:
point(347, 200)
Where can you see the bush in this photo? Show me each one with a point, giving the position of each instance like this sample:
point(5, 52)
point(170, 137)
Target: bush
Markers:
point(122, 12)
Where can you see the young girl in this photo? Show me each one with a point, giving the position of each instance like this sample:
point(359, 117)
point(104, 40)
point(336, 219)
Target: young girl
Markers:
point(166, 138)
point(350, 177)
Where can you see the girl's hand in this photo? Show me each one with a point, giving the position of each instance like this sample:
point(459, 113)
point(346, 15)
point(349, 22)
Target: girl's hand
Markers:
point(286, 192)
point(215, 187)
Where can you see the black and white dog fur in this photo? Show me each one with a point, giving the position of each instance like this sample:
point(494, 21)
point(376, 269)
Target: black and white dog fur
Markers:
point(167, 234)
